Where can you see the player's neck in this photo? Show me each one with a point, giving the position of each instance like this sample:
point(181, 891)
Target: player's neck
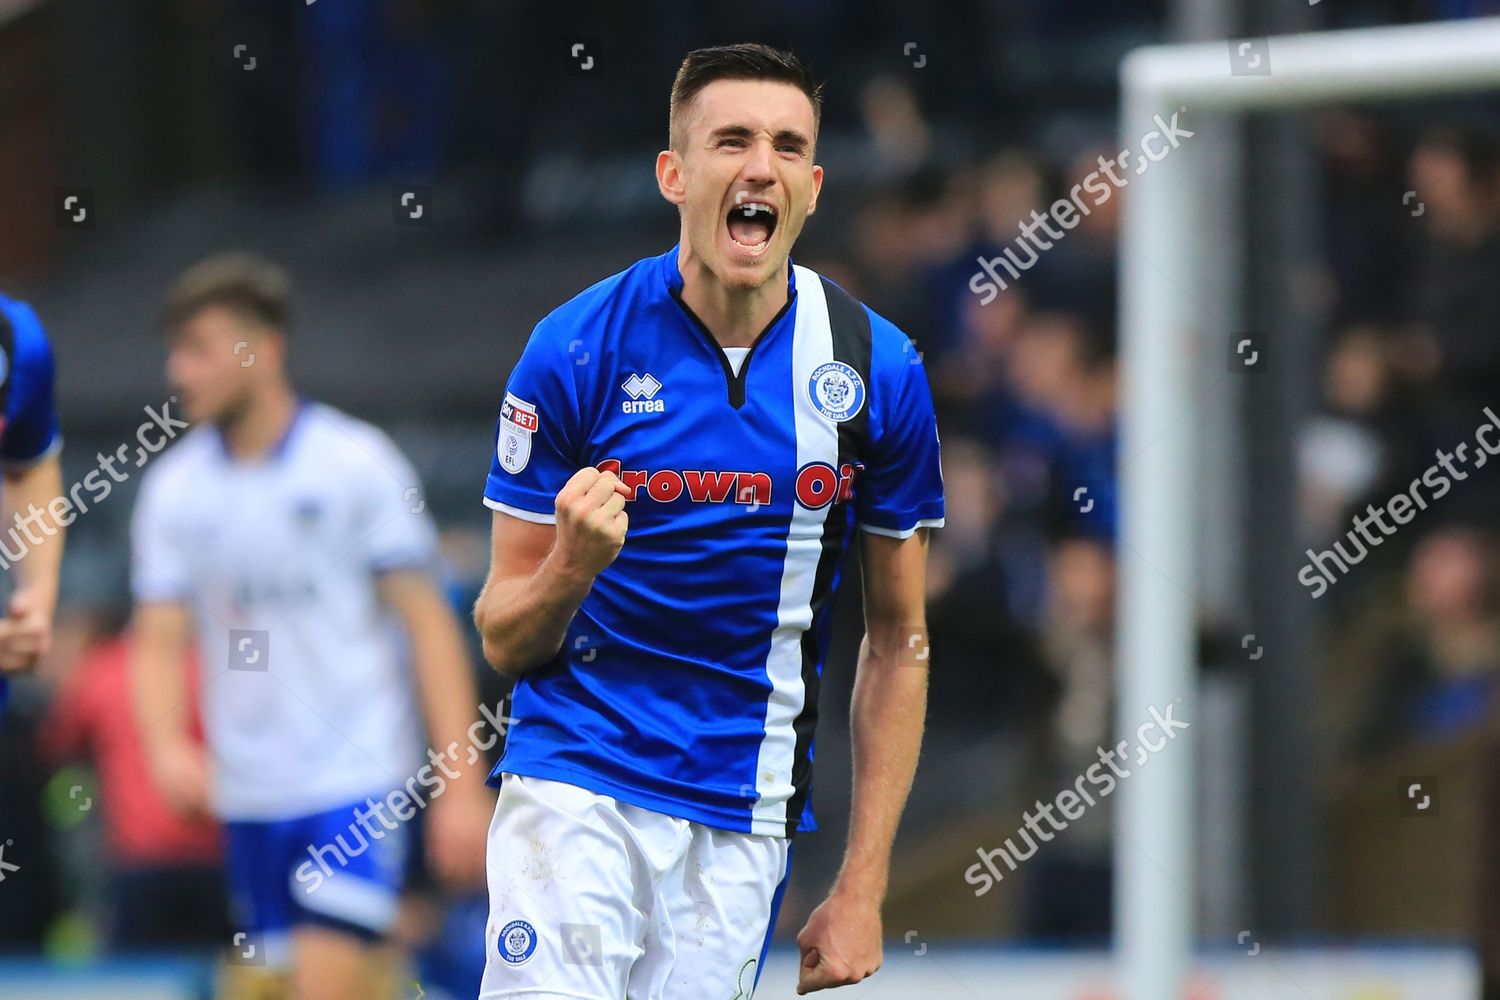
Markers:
point(735, 316)
point(256, 431)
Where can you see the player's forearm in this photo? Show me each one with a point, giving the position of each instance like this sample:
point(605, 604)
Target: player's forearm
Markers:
point(27, 493)
point(886, 720)
point(523, 621)
point(445, 685)
point(158, 690)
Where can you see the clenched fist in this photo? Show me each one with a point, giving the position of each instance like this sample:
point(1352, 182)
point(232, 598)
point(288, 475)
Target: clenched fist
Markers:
point(591, 520)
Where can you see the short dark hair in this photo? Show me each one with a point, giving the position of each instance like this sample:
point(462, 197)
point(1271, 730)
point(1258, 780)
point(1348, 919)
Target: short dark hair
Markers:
point(251, 286)
point(746, 61)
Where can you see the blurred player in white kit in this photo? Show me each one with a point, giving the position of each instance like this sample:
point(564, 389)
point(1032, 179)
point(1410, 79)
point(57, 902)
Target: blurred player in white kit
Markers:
point(292, 540)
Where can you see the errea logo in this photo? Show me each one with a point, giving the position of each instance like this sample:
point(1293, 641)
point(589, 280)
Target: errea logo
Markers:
point(642, 390)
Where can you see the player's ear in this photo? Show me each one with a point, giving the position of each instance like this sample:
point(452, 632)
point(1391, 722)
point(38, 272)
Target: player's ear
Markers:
point(812, 205)
point(270, 343)
point(669, 179)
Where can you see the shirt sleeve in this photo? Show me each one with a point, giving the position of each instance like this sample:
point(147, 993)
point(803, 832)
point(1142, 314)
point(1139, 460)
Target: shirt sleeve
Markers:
point(31, 426)
point(400, 533)
point(538, 435)
point(158, 556)
point(901, 488)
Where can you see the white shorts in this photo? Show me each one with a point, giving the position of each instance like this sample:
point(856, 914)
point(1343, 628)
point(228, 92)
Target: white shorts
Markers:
point(596, 899)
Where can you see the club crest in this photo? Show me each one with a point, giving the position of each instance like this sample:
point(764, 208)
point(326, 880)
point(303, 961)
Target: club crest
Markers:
point(836, 391)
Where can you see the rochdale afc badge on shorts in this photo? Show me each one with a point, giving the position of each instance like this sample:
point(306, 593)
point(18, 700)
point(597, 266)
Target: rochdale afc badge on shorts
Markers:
point(836, 391)
point(517, 942)
point(518, 422)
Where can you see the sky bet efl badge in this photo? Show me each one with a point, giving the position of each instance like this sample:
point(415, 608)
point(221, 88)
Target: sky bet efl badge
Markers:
point(517, 424)
point(836, 391)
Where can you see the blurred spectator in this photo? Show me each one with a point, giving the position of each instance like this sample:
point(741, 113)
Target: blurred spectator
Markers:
point(380, 89)
point(998, 677)
point(895, 123)
point(165, 886)
point(1079, 273)
point(1064, 382)
point(1071, 881)
point(969, 375)
point(1436, 678)
point(1453, 348)
point(1342, 453)
point(1368, 251)
point(907, 233)
point(963, 348)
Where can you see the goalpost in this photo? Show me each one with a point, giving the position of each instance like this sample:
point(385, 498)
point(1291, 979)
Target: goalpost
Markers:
point(1163, 263)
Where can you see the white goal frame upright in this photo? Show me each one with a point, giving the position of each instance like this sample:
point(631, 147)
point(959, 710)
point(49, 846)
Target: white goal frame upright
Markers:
point(1162, 265)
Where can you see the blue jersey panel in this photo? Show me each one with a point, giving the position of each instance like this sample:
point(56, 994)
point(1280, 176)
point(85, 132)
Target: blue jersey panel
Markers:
point(31, 424)
point(688, 680)
point(30, 427)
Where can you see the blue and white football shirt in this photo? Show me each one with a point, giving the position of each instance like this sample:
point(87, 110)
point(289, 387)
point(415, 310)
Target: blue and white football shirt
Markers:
point(28, 417)
point(688, 681)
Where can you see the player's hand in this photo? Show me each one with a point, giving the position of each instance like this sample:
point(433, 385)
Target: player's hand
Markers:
point(180, 770)
point(591, 521)
point(841, 943)
point(25, 632)
point(458, 826)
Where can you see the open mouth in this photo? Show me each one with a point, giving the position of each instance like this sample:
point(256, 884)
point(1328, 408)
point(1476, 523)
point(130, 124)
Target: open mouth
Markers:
point(751, 224)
